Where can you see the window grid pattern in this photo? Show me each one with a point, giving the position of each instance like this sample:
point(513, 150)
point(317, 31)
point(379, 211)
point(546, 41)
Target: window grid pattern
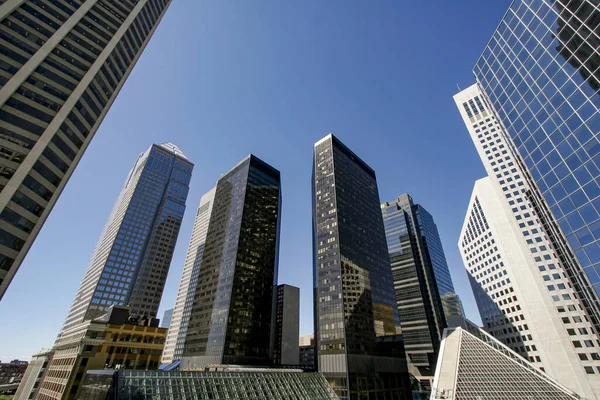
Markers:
point(540, 72)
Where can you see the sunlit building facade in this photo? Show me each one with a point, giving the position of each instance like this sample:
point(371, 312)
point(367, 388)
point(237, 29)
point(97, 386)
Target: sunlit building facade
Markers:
point(132, 258)
point(62, 64)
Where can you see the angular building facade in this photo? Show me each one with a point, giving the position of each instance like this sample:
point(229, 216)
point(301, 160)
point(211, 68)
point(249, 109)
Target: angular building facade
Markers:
point(354, 291)
point(473, 365)
point(187, 286)
point(62, 64)
point(421, 277)
point(132, 258)
point(285, 336)
point(523, 291)
point(232, 311)
point(540, 74)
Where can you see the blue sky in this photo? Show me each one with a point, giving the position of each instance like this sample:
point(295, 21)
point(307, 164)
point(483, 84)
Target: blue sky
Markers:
point(223, 79)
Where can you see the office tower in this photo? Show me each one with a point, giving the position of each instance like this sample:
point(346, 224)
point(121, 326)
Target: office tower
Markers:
point(421, 277)
point(112, 341)
point(231, 315)
point(62, 65)
point(354, 291)
point(474, 365)
point(539, 73)
point(166, 319)
point(217, 382)
point(307, 351)
point(286, 349)
point(521, 285)
point(187, 287)
point(132, 258)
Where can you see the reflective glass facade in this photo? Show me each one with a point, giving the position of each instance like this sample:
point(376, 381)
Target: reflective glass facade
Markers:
point(62, 63)
point(540, 73)
point(354, 294)
point(231, 315)
point(421, 275)
point(132, 257)
point(247, 385)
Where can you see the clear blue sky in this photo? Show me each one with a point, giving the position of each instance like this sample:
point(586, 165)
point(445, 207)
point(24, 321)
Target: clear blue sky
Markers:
point(223, 79)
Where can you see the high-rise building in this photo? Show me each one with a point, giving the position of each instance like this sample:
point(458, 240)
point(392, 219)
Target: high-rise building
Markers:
point(286, 350)
point(231, 315)
point(539, 72)
point(421, 277)
point(354, 291)
point(523, 292)
point(473, 365)
point(132, 258)
point(166, 319)
point(62, 64)
point(187, 287)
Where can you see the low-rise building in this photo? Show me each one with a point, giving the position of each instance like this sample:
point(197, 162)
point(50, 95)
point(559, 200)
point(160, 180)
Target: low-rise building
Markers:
point(112, 341)
point(12, 372)
point(34, 373)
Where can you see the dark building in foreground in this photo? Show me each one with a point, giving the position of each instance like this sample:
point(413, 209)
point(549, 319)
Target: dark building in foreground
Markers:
point(222, 383)
point(231, 316)
point(63, 64)
point(354, 296)
point(424, 289)
point(287, 326)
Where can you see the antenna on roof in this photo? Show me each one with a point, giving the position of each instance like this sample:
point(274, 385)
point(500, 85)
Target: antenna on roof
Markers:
point(459, 89)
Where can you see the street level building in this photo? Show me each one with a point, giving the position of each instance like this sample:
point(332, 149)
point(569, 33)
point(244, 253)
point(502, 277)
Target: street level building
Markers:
point(131, 261)
point(231, 315)
point(114, 340)
point(355, 303)
point(62, 64)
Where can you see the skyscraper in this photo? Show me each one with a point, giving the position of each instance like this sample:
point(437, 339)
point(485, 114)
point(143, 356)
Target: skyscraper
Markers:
point(524, 295)
point(231, 315)
point(421, 277)
point(187, 287)
point(354, 292)
point(62, 65)
point(286, 348)
point(132, 258)
point(166, 319)
point(539, 73)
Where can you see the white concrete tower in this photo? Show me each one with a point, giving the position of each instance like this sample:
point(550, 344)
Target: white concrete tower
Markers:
point(523, 294)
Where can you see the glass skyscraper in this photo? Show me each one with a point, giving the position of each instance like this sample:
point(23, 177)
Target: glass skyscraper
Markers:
point(355, 303)
point(540, 73)
point(424, 290)
point(232, 311)
point(132, 258)
point(62, 63)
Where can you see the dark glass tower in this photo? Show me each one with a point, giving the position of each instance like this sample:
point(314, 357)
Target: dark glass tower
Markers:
point(231, 316)
point(424, 289)
point(540, 72)
point(62, 64)
point(355, 304)
point(133, 256)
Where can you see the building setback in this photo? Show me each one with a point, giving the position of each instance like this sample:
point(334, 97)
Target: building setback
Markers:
point(232, 312)
point(354, 292)
point(421, 277)
point(132, 258)
point(187, 287)
point(540, 74)
point(523, 292)
point(286, 350)
point(62, 65)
